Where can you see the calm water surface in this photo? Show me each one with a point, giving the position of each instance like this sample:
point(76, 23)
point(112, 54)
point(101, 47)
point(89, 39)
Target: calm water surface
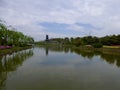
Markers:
point(55, 68)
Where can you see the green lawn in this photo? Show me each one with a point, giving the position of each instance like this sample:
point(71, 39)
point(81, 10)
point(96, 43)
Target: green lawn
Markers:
point(111, 47)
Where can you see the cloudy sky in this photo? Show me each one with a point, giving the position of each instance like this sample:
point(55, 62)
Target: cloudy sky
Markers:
point(62, 18)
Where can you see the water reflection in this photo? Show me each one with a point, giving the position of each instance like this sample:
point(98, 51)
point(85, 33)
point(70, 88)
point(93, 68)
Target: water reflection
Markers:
point(112, 59)
point(46, 51)
point(63, 68)
point(109, 57)
point(11, 62)
point(55, 49)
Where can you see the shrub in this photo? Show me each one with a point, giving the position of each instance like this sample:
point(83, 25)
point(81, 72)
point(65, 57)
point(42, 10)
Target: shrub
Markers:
point(97, 45)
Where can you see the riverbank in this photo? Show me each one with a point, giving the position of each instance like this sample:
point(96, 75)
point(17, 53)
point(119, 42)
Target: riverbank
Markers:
point(111, 50)
point(13, 49)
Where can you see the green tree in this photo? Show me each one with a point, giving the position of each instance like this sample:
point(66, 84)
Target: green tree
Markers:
point(12, 37)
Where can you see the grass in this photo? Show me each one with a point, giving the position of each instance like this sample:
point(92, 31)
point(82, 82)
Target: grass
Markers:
point(114, 47)
point(105, 49)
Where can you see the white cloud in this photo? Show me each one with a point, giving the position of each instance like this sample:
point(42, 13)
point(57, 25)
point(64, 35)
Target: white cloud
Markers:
point(25, 14)
point(76, 28)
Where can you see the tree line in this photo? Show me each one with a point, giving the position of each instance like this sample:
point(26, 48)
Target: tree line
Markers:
point(94, 41)
point(12, 37)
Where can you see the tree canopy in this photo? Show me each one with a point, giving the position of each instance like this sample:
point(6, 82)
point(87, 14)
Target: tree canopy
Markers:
point(12, 37)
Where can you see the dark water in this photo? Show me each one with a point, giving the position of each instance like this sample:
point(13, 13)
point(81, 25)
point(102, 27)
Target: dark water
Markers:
point(55, 68)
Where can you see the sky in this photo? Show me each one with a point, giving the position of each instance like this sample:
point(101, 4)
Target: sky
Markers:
point(62, 18)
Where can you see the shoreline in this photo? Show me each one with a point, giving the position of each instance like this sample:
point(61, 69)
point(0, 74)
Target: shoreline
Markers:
point(103, 50)
point(12, 50)
point(111, 50)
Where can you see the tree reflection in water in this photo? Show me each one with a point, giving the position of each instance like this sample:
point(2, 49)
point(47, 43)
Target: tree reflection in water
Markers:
point(9, 63)
point(108, 56)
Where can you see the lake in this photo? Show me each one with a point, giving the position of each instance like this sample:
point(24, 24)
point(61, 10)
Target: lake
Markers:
point(59, 68)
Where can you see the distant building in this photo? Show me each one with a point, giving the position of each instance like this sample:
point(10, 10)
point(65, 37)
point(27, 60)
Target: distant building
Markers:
point(51, 41)
point(47, 38)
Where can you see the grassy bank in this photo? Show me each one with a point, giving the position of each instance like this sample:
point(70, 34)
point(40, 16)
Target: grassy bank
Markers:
point(11, 50)
point(111, 50)
point(113, 47)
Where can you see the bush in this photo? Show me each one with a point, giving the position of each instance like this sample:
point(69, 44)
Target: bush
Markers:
point(97, 45)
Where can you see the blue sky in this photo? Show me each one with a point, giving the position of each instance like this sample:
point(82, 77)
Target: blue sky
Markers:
point(62, 18)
